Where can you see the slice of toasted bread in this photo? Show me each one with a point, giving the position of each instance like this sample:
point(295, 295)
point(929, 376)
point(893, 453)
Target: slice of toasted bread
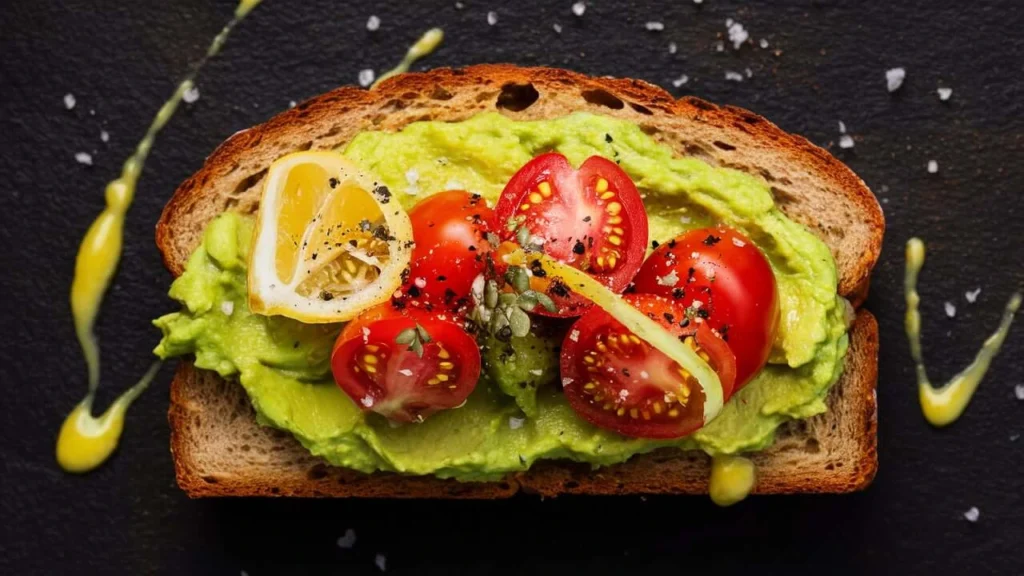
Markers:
point(219, 449)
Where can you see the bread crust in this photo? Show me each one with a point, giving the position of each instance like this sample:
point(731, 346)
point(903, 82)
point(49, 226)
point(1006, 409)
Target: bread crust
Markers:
point(808, 183)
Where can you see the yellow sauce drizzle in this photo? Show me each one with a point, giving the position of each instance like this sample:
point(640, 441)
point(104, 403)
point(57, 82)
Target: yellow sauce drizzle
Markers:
point(943, 405)
point(85, 441)
point(732, 479)
point(427, 43)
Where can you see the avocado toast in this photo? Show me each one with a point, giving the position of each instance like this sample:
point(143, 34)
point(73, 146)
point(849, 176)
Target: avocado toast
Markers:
point(219, 449)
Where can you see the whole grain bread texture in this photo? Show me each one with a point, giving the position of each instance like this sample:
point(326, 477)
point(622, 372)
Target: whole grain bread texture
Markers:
point(220, 450)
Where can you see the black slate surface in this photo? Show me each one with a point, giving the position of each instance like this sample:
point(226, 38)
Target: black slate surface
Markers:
point(825, 63)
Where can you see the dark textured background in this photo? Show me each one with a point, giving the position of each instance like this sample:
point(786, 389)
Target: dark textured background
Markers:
point(826, 62)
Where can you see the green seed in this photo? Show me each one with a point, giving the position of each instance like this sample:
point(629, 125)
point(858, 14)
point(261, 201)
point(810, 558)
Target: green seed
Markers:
point(527, 300)
point(507, 299)
point(519, 321)
point(520, 279)
point(422, 332)
point(545, 301)
point(406, 336)
point(523, 236)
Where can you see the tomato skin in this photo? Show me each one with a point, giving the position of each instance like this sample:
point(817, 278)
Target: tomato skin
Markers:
point(449, 229)
point(398, 384)
point(734, 283)
point(592, 218)
point(623, 384)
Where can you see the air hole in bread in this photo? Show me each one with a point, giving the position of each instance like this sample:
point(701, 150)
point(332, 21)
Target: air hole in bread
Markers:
point(485, 96)
point(813, 446)
point(641, 108)
point(304, 146)
point(209, 479)
point(248, 182)
point(723, 146)
point(599, 97)
point(517, 97)
point(275, 490)
point(830, 466)
point(649, 130)
point(334, 131)
point(410, 96)
point(439, 93)
point(504, 486)
point(318, 472)
point(700, 104)
point(571, 485)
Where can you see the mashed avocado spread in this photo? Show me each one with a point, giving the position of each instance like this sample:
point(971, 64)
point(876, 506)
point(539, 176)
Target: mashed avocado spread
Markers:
point(505, 426)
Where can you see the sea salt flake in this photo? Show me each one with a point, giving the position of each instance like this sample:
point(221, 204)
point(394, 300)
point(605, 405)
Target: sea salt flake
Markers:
point(737, 33)
point(366, 335)
point(972, 295)
point(655, 26)
point(366, 77)
point(104, 136)
point(738, 243)
point(373, 24)
point(367, 401)
point(492, 18)
point(846, 141)
point(672, 48)
point(972, 514)
point(681, 80)
point(933, 166)
point(733, 76)
point(763, 43)
point(190, 95)
point(83, 158)
point(748, 72)
point(566, 381)
point(1018, 391)
point(945, 93)
point(515, 423)
point(348, 540)
point(382, 562)
point(405, 372)
point(644, 374)
point(69, 101)
point(670, 279)
point(574, 335)
point(557, 28)
point(579, 8)
point(623, 393)
point(842, 127)
point(537, 371)
point(227, 307)
point(894, 78)
point(950, 309)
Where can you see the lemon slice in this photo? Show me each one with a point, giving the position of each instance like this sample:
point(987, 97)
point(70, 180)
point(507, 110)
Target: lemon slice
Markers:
point(329, 241)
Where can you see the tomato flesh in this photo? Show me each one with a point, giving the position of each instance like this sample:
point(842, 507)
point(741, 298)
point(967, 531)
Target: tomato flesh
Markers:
point(729, 281)
point(616, 381)
point(383, 376)
point(449, 229)
point(591, 218)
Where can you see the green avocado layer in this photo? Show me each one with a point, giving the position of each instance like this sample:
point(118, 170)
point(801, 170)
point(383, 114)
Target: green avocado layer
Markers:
point(517, 413)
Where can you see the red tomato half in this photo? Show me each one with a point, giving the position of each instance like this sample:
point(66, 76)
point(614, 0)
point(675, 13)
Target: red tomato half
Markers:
point(449, 229)
point(733, 282)
point(591, 218)
point(617, 381)
point(388, 378)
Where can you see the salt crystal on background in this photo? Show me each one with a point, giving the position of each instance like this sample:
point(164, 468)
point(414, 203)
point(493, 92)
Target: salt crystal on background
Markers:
point(69, 101)
point(842, 127)
point(846, 141)
point(972, 514)
point(655, 26)
point(1018, 391)
point(950, 309)
point(366, 77)
point(104, 136)
point(894, 78)
point(672, 48)
point(945, 93)
point(348, 540)
point(191, 95)
point(733, 76)
point(557, 28)
point(933, 166)
point(492, 18)
point(382, 562)
point(763, 43)
point(737, 34)
point(373, 24)
point(972, 295)
point(83, 158)
point(579, 8)
point(515, 423)
point(681, 80)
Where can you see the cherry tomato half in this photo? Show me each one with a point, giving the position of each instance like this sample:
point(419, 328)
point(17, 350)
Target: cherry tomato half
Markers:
point(591, 218)
point(730, 281)
point(449, 229)
point(382, 374)
point(615, 380)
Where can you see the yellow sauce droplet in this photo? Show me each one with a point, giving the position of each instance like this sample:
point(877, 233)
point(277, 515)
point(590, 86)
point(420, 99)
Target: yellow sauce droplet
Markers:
point(427, 43)
point(943, 405)
point(83, 438)
point(86, 441)
point(732, 479)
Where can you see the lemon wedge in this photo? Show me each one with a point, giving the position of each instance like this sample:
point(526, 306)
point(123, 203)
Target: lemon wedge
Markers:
point(329, 240)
